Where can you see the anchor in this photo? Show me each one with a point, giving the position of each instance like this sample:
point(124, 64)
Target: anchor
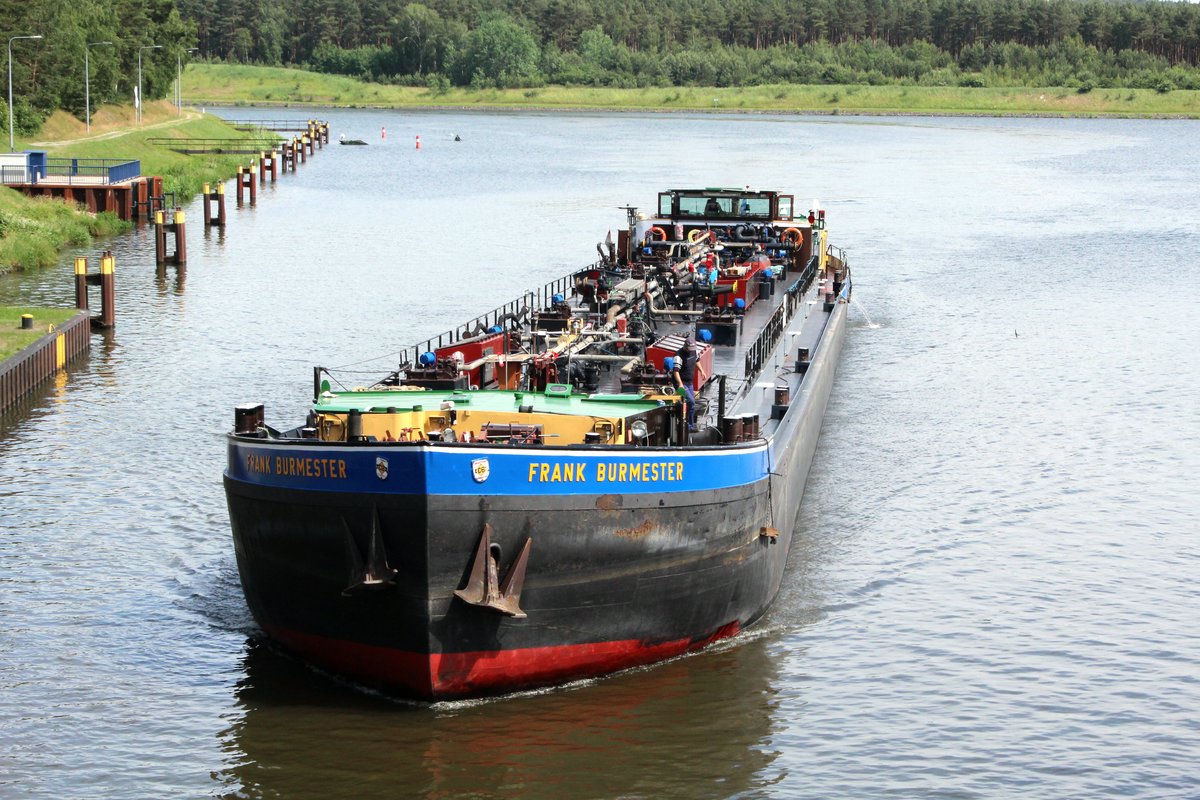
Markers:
point(481, 588)
point(375, 574)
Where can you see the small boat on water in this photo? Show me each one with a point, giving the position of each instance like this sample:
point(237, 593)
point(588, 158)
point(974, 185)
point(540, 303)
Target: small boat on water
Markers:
point(351, 141)
point(600, 474)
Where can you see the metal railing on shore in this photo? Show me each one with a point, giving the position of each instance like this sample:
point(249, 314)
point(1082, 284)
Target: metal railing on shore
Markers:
point(73, 171)
point(274, 124)
point(216, 146)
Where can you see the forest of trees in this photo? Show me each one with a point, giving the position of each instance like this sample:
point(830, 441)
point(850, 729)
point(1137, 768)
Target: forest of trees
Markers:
point(715, 42)
point(513, 43)
point(48, 74)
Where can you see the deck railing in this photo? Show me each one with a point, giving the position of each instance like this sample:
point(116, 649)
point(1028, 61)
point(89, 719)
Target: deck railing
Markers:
point(14, 175)
point(757, 353)
point(518, 309)
point(82, 171)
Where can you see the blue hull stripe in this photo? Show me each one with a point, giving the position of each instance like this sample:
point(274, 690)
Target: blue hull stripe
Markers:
point(488, 471)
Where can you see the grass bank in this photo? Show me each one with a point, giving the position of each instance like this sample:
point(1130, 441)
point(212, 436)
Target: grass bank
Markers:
point(13, 339)
point(33, 230)
point(234, 85)
point(114, 135)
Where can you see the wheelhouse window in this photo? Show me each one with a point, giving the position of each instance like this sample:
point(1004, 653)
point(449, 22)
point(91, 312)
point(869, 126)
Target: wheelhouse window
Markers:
point(785, 206)
point(664, 204)
point(755, 207)
point(702, 206)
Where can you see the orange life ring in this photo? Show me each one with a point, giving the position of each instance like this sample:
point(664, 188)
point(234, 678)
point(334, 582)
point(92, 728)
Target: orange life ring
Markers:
point(662, 235)
point(799, 236)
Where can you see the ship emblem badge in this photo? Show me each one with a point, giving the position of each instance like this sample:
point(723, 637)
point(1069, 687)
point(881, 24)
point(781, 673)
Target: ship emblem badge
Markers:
point(381, 468)
point(480, 470)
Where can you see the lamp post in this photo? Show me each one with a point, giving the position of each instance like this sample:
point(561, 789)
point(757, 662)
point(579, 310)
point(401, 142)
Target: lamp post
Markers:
point(10, 100)
point(141, 101)
point(87, 82)
point(179, 79)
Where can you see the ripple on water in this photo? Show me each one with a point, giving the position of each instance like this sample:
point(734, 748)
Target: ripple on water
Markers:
point(991, 592)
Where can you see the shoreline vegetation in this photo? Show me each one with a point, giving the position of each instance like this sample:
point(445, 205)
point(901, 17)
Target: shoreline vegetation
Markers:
point(34, 230)
point(239, 85)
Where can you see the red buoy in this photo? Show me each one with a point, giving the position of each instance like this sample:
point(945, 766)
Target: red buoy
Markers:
point(418, 142)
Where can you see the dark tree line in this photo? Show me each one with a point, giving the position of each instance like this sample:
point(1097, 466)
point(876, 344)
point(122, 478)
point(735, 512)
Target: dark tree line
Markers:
point(292, 31)
point(1088, 43)
point(49, 73)
point(714, 42)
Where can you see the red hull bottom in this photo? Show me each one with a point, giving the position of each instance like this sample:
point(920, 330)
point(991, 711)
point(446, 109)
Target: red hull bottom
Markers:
point(447, 675)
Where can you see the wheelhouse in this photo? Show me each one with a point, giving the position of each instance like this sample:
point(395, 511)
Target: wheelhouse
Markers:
point(725, 204)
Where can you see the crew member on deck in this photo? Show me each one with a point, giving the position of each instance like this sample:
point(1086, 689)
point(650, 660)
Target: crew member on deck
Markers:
point(683, 373)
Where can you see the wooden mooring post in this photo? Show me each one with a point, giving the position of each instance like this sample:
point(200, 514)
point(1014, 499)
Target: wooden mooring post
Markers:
point(106, 280)
point(147, 195)
point(216, 196)
point(81, 283)
point(289, 156)
point(246, 183)
point(303, 148)
point(268, 161)
point(175, 227)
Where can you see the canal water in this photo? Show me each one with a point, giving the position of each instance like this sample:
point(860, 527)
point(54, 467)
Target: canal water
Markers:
point(994, 588)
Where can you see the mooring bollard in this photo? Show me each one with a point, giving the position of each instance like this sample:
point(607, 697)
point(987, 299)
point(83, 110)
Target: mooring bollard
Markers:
point(108, 292)
point(81, 298)
point(251, 184)
point(27, 322)
point(246, 184)
point(268, 162)
point(160, 239)
point(180, 256)
point(141, 198)
point(217, 197)
point(303, 150)
point(176, 228)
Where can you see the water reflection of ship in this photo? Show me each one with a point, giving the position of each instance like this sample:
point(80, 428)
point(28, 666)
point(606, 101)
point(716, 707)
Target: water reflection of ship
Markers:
point(695, 727)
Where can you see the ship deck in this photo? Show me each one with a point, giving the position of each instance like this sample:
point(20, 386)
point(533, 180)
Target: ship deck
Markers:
point(755, 394)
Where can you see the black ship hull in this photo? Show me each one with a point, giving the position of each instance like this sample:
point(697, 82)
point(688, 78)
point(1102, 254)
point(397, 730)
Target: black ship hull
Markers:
point(362, 579)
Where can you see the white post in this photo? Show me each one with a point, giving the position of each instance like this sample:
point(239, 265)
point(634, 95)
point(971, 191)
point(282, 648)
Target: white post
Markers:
point(179, 79)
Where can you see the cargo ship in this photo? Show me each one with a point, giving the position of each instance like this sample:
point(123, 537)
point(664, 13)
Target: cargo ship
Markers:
point(602, 473)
